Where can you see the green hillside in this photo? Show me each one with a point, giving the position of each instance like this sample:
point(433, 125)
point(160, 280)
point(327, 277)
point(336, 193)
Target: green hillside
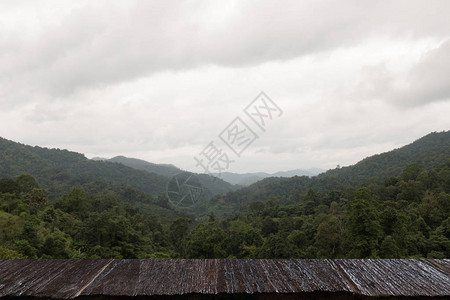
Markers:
point(212, 185)
point(134, 181)
point(59, 170)
point(429, 151)
point(406, 216)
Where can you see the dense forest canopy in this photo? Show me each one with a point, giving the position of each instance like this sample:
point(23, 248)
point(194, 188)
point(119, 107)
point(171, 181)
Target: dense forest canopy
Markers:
point(398, 206)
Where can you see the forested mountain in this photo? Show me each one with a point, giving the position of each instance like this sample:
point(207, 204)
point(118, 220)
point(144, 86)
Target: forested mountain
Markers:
point(429, 151)
point(60, 170)
point(212, 185)
point(407, 216)
point(391, 205)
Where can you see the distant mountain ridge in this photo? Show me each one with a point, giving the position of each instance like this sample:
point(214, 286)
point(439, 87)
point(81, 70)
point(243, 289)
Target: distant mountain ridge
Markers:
point(246, 179)
point(60, 170)
point(212, 185)
point(429, 151)
point(167, 170)
point(136, 180)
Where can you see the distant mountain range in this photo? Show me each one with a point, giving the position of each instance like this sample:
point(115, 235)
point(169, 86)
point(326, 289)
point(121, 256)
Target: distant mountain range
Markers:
point(247, 179)
point(139, 181)
point(213, 185)
point(170, 170)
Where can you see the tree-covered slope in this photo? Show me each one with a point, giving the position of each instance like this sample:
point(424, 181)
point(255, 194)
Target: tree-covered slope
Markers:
point(133, 180)
point(212, 185)
point(403, 217)
point(58, 170)
point(429, 151)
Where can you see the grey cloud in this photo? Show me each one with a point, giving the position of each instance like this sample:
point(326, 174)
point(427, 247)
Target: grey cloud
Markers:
point(426, 82)
point(53, 78)
point(102, 46)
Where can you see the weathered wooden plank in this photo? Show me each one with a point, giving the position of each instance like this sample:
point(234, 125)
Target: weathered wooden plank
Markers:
point(65, 279)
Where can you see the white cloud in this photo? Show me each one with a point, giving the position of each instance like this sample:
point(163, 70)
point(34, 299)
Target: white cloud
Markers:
point(159, 80)
point(108, 42)
point(427, 81)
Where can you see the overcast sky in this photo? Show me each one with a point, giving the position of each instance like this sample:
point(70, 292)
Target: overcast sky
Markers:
point(160, 80)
